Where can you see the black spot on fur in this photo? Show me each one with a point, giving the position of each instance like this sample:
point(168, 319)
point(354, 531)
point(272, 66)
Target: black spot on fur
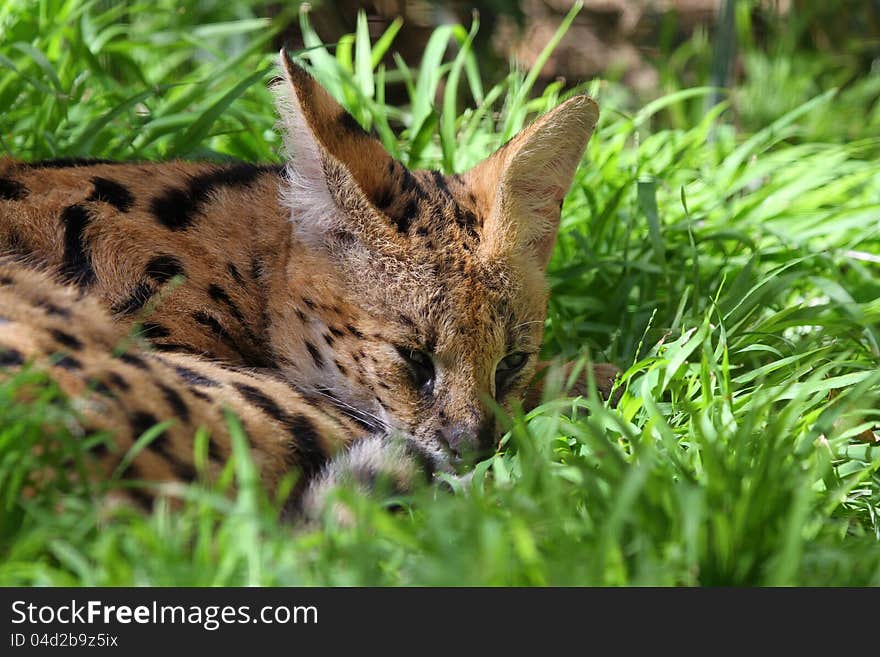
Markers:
point(440, 182)
point(353, 330)
point(10, 357)
point(12, 190)
point(141, 496)
point(176, 208)
point(195, 392)
point(68, 363)
point(214, 452)
point(306, 447)
point(163, 268)
point(112, 192)
point(408, 183)
point(311, 304)
point(77, 263)
point(140, 423)
point(118, 381)
point(302, 316)
point(100, 387)
point(100, 449)
point(348, 123)
point(338, 332)
point(329, 339)
point(467, 221)
point(262, 401)
point(341, 368)
point(136, 299)
point(308, 454)
point(253, 357)
point(175, 401)
point(58, 311)
point(134, 360)
point(211, 322)
point(65, 162)
point(315, 354)
point(6, 279)
point(256, 268)
point(193, 377)
point(218, 294)
point(152, 330)
point(384, 199)
point(236, 275)
point(66, 339)
point(216, 327)
point(403, 219)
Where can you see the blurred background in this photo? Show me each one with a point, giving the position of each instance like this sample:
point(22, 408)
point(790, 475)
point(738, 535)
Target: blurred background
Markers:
point(766, 57)
point(773, 54)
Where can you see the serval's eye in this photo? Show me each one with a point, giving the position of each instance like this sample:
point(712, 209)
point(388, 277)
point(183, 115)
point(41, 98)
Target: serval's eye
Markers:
point(421, 367)
point(507, 369)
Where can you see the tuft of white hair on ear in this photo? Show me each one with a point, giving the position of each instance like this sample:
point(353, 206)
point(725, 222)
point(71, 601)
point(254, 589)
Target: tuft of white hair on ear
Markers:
point(313, 209)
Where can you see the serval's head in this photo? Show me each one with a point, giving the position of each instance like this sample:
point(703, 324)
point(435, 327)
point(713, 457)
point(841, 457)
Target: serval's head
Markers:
point(431, 287)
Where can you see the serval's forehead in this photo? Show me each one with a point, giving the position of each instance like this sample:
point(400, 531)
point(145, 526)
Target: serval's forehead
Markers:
point(444, 289)
point(436, 209)
point(467, 305)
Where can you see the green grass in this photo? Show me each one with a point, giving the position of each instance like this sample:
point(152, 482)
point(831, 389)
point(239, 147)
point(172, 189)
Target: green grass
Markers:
point(734, 276)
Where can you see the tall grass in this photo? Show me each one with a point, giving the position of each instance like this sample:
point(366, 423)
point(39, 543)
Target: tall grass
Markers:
point(734, 277)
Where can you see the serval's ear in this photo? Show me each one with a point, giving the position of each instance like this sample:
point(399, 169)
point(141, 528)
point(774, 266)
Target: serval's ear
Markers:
point(333, 164)
point(524, 182)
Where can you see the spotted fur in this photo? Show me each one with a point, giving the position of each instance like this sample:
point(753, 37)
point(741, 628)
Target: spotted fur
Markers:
point(312, 297)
